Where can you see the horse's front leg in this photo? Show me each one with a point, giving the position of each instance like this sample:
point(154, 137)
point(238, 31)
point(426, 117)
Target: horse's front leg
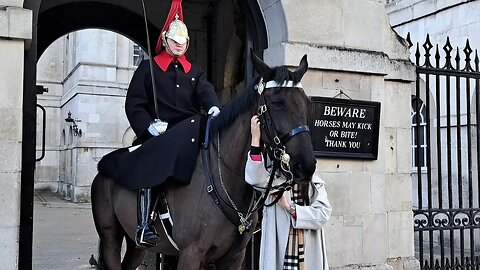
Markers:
point(190, 259)
point(236, 264)
point(133, 256)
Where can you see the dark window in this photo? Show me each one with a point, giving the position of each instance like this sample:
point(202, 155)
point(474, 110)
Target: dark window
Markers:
point(419, 141)
point(138, 55)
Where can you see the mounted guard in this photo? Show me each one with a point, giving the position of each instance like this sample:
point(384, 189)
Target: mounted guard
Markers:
point(164, 112)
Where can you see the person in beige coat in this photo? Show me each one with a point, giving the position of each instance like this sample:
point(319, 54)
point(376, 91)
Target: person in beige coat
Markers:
point(292, 229)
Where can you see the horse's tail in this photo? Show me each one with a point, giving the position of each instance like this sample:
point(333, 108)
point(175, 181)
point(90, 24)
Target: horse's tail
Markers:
point(101, 257)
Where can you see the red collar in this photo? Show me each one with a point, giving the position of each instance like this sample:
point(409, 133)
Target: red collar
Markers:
point(163, 60)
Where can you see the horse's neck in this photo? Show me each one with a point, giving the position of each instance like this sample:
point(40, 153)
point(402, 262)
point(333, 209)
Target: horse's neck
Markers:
point(235, 142)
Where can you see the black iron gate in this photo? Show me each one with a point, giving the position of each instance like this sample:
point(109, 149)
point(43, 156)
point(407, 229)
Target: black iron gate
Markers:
point(446, 157)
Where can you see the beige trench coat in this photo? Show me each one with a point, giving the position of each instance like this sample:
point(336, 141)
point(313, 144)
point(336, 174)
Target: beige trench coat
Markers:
point(276, 223)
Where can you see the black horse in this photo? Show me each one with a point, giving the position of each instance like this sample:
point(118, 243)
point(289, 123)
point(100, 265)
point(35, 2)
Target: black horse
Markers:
point(204, 235)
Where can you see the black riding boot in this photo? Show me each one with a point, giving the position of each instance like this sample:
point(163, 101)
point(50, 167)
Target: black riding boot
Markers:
point(146, 235)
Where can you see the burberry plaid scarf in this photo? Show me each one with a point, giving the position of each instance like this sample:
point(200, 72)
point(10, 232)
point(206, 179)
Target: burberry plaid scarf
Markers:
point(295, 254)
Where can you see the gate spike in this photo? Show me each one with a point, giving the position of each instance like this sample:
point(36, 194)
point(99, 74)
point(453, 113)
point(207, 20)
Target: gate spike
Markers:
point(468, 51)
point(448, 58)
point(457, 59)
point(437, 57)
point(427, 46)
point(417, 55)
point(477, 61)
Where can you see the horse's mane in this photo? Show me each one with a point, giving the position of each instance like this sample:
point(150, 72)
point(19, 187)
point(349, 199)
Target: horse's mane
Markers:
point(238, 105)
point(247, 99)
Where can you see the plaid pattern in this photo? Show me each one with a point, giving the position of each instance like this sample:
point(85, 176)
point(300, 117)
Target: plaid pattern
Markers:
point(295, 253)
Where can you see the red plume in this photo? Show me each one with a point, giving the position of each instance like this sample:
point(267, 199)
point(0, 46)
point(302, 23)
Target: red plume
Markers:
point(175, 8)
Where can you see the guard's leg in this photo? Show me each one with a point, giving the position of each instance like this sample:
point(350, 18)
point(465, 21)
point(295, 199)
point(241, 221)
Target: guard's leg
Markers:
point(146, 235)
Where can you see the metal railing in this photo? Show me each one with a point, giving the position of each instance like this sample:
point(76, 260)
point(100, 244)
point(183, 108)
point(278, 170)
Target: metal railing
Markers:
point(447, 197)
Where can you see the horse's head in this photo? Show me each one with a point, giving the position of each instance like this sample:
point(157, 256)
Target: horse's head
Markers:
point(284, 108)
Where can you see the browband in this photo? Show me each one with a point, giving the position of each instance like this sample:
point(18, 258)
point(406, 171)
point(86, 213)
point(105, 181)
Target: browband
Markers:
point(273, 84)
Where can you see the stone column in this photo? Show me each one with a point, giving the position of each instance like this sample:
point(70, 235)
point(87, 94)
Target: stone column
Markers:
point(15, 33)
point(351, 47)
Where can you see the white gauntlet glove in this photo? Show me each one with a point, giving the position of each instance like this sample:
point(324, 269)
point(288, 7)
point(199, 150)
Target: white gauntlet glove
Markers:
point(157, 127)
point(214, 111)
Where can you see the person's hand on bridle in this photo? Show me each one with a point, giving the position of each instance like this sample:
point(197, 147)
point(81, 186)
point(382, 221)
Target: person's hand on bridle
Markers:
point(255, 130)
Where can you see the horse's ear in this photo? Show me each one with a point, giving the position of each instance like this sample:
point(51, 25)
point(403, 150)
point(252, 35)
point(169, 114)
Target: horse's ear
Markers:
point(263, 69)
point(302, 68)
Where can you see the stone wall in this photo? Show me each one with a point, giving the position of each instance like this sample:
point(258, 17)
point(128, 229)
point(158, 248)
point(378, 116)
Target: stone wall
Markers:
point(15, 35)
point(456, 19)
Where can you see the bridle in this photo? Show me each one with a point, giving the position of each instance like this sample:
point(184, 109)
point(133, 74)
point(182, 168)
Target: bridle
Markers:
point(276, 143)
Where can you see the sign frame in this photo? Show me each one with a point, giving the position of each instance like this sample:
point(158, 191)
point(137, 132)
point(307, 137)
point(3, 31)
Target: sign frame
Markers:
point(320, 151)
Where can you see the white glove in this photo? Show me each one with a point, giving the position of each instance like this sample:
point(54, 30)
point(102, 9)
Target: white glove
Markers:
point(152, 130)
point(157, 127)
point(214, 111)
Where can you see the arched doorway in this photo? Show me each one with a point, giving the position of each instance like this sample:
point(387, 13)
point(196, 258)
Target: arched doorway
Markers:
point(223, 34)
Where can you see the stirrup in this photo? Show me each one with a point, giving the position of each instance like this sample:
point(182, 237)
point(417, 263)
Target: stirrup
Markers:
point(140, 240)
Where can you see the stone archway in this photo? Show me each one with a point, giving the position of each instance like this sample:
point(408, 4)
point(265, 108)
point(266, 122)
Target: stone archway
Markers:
point(52, 19)
point(275, 21)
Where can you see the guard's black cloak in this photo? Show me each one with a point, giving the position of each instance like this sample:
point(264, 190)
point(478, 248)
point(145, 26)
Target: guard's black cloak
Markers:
point(173, 154)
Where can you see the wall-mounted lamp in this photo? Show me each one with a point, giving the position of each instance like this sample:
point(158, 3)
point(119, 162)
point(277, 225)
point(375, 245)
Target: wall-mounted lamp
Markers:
point(76, 131)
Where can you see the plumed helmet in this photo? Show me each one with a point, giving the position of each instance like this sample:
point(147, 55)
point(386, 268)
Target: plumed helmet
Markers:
point(177, 31)
point(174, 27)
